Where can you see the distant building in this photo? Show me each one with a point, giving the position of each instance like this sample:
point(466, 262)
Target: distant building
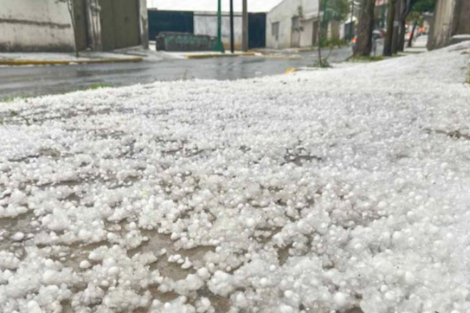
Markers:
point(450, 24)
point(177, 16)
point(46, 25)
point(292, 24)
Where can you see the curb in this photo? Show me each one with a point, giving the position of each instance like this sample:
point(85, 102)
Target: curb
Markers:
point(210, 56)
point(16, 62)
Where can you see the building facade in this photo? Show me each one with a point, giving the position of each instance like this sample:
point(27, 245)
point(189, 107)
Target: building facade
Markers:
point(451, 21)
point(46, 25)
point(292, 24)
point(205, 23)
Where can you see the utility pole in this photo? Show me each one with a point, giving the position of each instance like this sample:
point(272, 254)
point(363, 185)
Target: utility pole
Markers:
point(232, 36)
point(245, 26)
point(219, 45)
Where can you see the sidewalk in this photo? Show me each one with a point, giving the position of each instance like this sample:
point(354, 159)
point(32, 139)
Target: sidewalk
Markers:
point(339, 190)
point(46, 58)
point(419, 46)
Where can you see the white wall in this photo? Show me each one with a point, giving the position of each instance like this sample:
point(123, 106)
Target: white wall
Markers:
point(205, 23)
point(306, 38)
point(283, 13)
point(35, 25)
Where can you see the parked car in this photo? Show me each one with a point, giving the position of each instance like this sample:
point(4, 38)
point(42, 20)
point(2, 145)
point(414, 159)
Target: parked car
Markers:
point(378, 34)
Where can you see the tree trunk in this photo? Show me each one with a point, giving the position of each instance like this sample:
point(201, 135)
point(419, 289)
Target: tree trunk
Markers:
point(365, 29)
point(319, 35)
point(396, 26)
point(410, 42)
point(401, 43)
point(389, 34)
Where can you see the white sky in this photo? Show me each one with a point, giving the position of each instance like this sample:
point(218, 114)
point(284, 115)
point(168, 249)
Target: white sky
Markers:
point(211, 5)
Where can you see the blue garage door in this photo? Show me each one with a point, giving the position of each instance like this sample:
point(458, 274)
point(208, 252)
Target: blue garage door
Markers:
point(170, 21)
point(257, 30)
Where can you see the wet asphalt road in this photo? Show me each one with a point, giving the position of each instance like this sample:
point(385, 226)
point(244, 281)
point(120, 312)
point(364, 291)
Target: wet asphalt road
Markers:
point(34, 81)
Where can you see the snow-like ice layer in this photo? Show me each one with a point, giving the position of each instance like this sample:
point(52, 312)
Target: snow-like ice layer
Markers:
point(324, 191)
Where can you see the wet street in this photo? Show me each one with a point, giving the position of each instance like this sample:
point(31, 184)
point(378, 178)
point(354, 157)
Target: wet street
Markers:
point(33, 81)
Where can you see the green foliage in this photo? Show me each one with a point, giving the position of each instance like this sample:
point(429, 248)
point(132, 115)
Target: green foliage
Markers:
point(98, 86)
point(333, 43)
point(320, 64)
point(16, 114)
point(363, 59)
point(424, 6)
point(14, 98)
point(335, 9)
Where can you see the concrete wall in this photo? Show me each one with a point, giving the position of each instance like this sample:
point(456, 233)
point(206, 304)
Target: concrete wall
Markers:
point(283, 14)
point(306, 38)
point(35, 25)
point(205, 23)
point(144, 24)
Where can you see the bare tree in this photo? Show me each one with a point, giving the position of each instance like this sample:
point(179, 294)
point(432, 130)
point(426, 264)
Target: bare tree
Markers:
point(365, 29)
point(71, 9)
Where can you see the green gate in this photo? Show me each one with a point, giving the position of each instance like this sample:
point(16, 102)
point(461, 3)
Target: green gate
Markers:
point(119, 23)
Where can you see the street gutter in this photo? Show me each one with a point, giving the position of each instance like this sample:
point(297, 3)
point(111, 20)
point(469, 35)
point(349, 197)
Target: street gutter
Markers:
point(22, 62)
point(209, 56)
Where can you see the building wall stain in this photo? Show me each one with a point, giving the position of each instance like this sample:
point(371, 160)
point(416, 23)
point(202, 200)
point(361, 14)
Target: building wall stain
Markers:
point(35, 23)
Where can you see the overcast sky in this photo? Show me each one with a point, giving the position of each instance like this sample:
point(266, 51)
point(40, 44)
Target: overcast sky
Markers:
point(211, 5)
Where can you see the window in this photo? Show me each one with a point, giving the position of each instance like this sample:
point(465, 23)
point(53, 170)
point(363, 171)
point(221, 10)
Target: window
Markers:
point(275, 30)
point(296, 23)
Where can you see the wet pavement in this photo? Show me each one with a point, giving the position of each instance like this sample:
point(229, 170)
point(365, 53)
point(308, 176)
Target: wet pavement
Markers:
point(34, 81)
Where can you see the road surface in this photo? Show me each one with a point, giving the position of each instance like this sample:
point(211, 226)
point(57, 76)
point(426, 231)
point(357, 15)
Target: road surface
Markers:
point(33, 81)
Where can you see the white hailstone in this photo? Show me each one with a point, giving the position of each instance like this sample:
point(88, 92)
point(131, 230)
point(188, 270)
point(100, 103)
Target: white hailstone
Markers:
point(203, 305)
point(49, 263)
point(409, 278)
point(241, 300)
point(390, 295)
point(383, 288)
point(250, 222)
point(397, 236)
point(33, 307)
point(284, 308)
point(113, 271)
point(340, 299)
point(288, 293)
point(111, 236)
point(17, 236)
point(85, 264)
point(187, 264)
point(203, 273)
point(263, 282)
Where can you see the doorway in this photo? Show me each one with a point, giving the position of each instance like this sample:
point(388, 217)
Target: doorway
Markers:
point(119, 24)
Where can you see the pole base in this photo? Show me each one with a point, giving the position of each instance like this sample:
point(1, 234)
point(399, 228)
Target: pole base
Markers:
point(219, 47)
